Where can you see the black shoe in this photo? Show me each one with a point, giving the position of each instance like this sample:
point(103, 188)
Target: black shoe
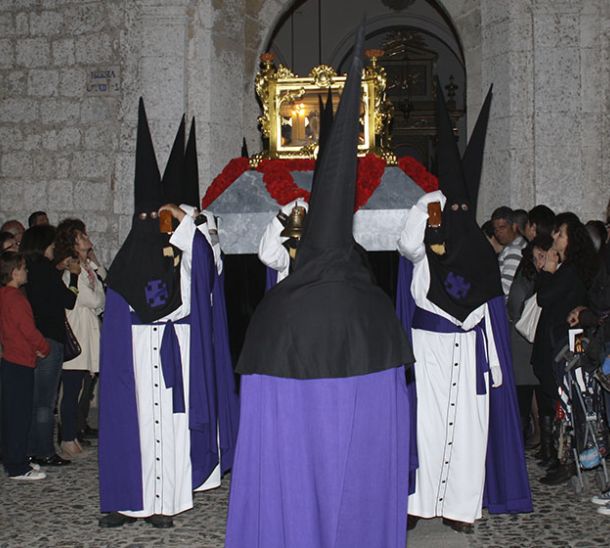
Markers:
point(54, 460)
point(459, 526)
point(114, 519)
point(160, 521)
point(411, 522)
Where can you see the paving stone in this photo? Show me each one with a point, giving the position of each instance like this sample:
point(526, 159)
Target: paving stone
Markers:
point(67, 509)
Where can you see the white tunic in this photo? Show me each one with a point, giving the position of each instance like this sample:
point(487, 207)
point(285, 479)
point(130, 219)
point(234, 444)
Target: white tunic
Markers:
point(452, 420)
point(164, 435)
point(271, 252)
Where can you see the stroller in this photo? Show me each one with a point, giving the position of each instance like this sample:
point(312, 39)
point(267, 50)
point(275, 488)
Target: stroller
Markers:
point(583, 428)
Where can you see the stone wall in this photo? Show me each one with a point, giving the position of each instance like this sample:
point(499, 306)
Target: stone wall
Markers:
point(548, 138)
point(58, 135)
point(66, 144)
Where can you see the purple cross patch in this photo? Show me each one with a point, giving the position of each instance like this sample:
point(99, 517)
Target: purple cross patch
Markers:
point(456, 286)
point(156, 293)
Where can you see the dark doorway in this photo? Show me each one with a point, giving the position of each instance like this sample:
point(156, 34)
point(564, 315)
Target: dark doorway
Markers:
point(245, 287)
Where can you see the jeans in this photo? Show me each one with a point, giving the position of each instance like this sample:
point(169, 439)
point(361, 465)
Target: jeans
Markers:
point(46, 383)
point(73, 384)
point(17, 388)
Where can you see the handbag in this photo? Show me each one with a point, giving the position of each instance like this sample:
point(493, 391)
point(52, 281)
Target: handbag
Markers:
point(72, 347)
point(527, 323)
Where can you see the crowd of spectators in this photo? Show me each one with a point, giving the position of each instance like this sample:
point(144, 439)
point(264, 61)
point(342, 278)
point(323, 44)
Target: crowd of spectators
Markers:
point(53, 288)
point(52, 292)
point(565, 263)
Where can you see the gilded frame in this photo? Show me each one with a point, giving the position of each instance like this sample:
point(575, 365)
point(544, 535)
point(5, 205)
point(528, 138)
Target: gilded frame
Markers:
point(290, 118)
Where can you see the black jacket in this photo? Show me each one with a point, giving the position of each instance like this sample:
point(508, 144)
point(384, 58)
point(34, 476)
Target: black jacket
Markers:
point(49, 297)
point(558, 294)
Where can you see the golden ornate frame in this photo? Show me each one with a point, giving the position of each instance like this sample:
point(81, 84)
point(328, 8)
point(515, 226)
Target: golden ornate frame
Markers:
point(285, 97)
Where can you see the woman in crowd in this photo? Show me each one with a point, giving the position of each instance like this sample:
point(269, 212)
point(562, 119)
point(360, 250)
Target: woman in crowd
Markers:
point(569, 268)
point(49, 297)
point(540, 220)
point(73, 244)
point(521, 290)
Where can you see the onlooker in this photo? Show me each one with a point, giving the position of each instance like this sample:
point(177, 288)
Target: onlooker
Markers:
point(15, 228)
point(73, 244)
point(38, 218)
point(22, 344)
point(507, 234)
point(49, 298)
point(561, 286)
point(8, 242)
point(540, 220)
point(596, 319)
point(522, 289)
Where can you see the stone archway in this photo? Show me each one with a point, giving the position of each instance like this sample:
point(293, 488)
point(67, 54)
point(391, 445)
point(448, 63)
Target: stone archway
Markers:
point(465, 17)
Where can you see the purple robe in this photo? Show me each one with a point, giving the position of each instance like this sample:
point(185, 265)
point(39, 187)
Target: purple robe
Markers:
point(405, 308)
point(321, 463)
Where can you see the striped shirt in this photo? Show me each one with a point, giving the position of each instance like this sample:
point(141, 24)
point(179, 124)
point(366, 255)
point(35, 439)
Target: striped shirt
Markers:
point(509, 259)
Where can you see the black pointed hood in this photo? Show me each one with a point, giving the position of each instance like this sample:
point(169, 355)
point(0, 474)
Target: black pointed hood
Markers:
point(148, 192)
point(146, 269)
point(244, 149)
point(331, 205)
point(191, 170)
point(450, 175)
point(467, 275)
point(472, 162)
point(173, 177)
point(328, 318)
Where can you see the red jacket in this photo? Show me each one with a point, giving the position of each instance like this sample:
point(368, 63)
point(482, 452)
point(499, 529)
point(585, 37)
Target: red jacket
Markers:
point(18, 334)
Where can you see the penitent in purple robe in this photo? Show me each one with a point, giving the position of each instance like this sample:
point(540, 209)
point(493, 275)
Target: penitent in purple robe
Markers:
point(506, 482)
point(210, 403)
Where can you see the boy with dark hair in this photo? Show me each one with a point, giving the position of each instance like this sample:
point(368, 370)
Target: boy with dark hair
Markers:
point(22, 344)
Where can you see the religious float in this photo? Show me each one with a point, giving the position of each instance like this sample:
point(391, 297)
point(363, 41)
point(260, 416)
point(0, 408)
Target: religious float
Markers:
point(249, 190)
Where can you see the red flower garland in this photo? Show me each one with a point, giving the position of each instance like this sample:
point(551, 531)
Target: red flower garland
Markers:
point(279, 182)
point(232, 171)
point(281, 187)
point(424, 179)
point(370, 172)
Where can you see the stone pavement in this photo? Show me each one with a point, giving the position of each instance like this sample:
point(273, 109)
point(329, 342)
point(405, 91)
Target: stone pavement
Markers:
point(62, 511)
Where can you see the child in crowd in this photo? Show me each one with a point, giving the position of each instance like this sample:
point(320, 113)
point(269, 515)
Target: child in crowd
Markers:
point(22, 343)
